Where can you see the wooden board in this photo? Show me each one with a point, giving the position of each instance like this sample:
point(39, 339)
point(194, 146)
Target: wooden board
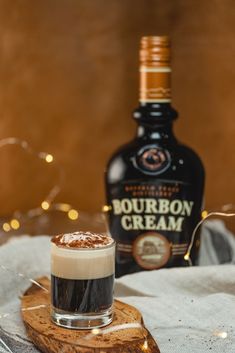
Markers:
point(50, 338)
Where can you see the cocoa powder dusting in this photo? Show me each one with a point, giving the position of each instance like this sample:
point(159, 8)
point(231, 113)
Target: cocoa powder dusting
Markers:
point(82, 240)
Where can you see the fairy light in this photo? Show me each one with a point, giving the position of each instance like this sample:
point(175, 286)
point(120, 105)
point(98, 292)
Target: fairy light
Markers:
point(95, 331)
point(45, 205)
point(49, 158)
point(222, 334)
point(210, 214)
point(204, 214)
point(48, 204)
point(15, 224)
point(73, 214)
point(6, 227)
point(145, 345)
point(106, 208)
point(115, 328)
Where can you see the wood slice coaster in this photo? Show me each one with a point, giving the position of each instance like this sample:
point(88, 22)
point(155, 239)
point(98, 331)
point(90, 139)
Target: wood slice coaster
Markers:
point(50, 338)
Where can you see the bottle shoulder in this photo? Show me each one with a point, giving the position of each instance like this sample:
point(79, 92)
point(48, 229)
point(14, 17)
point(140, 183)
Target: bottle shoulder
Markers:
point(184, 162)
point(190, 155)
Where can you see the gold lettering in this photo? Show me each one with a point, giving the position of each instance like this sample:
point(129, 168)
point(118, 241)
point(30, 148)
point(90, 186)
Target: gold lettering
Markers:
point(163, 206)
point(138, 222)
point(126, 222)
point(126, 206)
point(175, 224)
point(150, 222)
point(161, 224)
point(176, 207)
point(151, 206)
point(116, 206)
point(138, 205)
point(187, 208)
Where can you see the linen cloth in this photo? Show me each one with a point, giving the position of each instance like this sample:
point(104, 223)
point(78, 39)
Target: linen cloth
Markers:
point(185, 309)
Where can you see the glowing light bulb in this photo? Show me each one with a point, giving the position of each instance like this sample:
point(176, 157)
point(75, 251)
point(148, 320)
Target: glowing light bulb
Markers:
point(204, 214)
point(6, 227)
point(73, 214)
point(45, 205)
point(15, 224)
point(145, 345)
point(106, 208)
point(186, 256)
point(222, 334)
point(49, 158)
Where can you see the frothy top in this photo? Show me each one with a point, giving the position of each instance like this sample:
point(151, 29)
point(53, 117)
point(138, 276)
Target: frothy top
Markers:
point(82, 240)
point(82, 255)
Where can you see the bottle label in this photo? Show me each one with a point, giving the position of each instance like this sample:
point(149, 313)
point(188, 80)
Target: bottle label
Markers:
point(152, 222)
point(152, 160)
point(151, 250)
point(155, 85)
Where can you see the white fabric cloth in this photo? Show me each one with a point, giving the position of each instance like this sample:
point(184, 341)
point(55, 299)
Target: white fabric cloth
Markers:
point(185, 309)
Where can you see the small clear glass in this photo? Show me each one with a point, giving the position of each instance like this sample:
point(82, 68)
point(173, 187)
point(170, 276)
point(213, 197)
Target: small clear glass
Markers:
point(82, 281)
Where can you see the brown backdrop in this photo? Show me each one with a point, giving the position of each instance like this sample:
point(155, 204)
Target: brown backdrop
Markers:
point(69, 81)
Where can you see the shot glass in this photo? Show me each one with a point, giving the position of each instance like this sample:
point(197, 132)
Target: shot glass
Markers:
point(82, 280)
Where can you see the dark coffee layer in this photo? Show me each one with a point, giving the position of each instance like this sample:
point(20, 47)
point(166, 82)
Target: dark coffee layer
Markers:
point(82, 296)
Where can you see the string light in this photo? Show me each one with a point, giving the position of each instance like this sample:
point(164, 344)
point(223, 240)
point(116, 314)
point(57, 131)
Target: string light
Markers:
point(49, 158)
point(5, 345)
point(204, 214)
point(6, 227)
point(221, 214)
point(15, 224)
point(106, 208)
point(115, 328)
point(222, 334)
point(45, 205)
point(48, 203)
point(73, 214)
point(145, 345)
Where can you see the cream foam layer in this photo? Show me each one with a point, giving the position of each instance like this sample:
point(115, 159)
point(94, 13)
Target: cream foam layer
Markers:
point(82, 263)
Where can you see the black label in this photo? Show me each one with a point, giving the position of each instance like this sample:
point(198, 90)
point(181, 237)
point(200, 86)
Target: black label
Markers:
point(152, 223)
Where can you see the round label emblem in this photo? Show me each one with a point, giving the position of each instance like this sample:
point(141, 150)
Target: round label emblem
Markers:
point(151, 250)
point(152, 159)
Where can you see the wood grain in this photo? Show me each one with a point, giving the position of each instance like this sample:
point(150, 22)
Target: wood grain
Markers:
point(50, 338)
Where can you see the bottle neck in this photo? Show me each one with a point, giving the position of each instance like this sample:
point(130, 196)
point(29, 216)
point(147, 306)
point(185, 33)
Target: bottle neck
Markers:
point(155, 84)
point(156, 132)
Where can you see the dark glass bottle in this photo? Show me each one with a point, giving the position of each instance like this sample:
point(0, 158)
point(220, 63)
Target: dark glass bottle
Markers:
point(154, 184)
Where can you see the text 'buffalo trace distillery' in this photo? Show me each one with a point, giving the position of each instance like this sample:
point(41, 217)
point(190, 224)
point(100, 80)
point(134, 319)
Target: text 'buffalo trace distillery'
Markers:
point(154, 184)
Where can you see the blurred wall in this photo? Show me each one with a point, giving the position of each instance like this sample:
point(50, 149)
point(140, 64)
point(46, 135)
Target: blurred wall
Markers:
point(69, 82)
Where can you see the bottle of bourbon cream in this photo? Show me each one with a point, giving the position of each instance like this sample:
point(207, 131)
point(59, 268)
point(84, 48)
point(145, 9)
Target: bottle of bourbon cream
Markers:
point(154, 184)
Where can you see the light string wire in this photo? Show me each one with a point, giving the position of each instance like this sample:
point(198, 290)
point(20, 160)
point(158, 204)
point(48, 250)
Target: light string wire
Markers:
point(187, 256)
point(7, 269)
point(73, 214)
point(5, 345)
point(47, 203)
